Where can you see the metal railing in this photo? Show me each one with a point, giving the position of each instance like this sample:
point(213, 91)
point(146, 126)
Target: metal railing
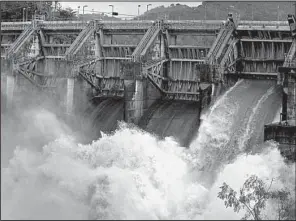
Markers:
point(229, 49)
point(144, 24)
point(145, 39)
point(14, 20)
point(190, 24)
point(222, 37)
point(21, 39)
point(80, 39)
point(261, 23)
point(291, 55)
point(63, 24)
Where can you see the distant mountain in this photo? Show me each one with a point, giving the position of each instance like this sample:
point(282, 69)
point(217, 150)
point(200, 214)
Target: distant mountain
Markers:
point(218, 10)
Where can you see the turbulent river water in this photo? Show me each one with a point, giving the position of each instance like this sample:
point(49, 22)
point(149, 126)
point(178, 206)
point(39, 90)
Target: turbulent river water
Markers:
point(131, 174)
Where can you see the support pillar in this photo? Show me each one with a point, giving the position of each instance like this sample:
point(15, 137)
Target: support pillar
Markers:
point(289, 93)
point(70, 96)
point(98, 53)
point(10, 85)
point(129, 90)
point(213, 90)
point(134, 88)
point(162, 47)
point(291, 99)
point(284, 104)
point(139, 100)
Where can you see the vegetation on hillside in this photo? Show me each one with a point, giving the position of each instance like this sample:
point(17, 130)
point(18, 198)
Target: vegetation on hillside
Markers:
point(19, 10)
point(60, 13)
point(15, 10)
point(218, 10)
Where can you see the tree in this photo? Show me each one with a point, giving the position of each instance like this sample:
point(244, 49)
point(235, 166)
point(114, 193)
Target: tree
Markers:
point(67, 13)
point(253, 197)
point(25, 9)
point(15, 10)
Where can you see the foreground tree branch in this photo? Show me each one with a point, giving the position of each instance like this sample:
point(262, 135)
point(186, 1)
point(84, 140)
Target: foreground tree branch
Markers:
point(255, 193)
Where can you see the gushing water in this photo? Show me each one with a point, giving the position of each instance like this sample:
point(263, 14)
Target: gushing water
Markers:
point(250, 124)
point(131, 174)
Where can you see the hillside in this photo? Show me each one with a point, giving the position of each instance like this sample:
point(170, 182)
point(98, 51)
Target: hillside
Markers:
point(218, 10)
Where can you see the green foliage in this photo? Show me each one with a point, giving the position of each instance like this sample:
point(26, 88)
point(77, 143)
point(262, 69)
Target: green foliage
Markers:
point(253, 197)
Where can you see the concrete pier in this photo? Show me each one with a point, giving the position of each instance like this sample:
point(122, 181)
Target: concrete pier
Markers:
point(139, 94)
point(139, 100)
point(10, 85)
point(129, 90)
point(284, 131)
point(291, 101)
point(133, 92)
point(70, 96)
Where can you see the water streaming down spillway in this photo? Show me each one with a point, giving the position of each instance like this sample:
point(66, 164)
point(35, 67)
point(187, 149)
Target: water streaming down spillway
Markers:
point(132, 175)
point(235, 124)
point(178, 119)
point(102, 115)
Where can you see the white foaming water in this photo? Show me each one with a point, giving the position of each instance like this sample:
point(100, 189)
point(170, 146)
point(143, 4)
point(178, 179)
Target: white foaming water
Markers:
point(130, 175)
point(215, 131)
point(221, 100)
point(249, 127)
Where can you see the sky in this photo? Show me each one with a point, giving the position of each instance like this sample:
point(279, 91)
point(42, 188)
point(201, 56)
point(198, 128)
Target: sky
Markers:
point(128, 8)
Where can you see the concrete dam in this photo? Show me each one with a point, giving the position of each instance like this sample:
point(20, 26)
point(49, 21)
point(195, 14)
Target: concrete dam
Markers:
point(152, 80)
point(143, 119)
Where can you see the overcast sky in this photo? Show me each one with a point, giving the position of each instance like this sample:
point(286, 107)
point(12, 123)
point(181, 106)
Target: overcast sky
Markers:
point(129, 8)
